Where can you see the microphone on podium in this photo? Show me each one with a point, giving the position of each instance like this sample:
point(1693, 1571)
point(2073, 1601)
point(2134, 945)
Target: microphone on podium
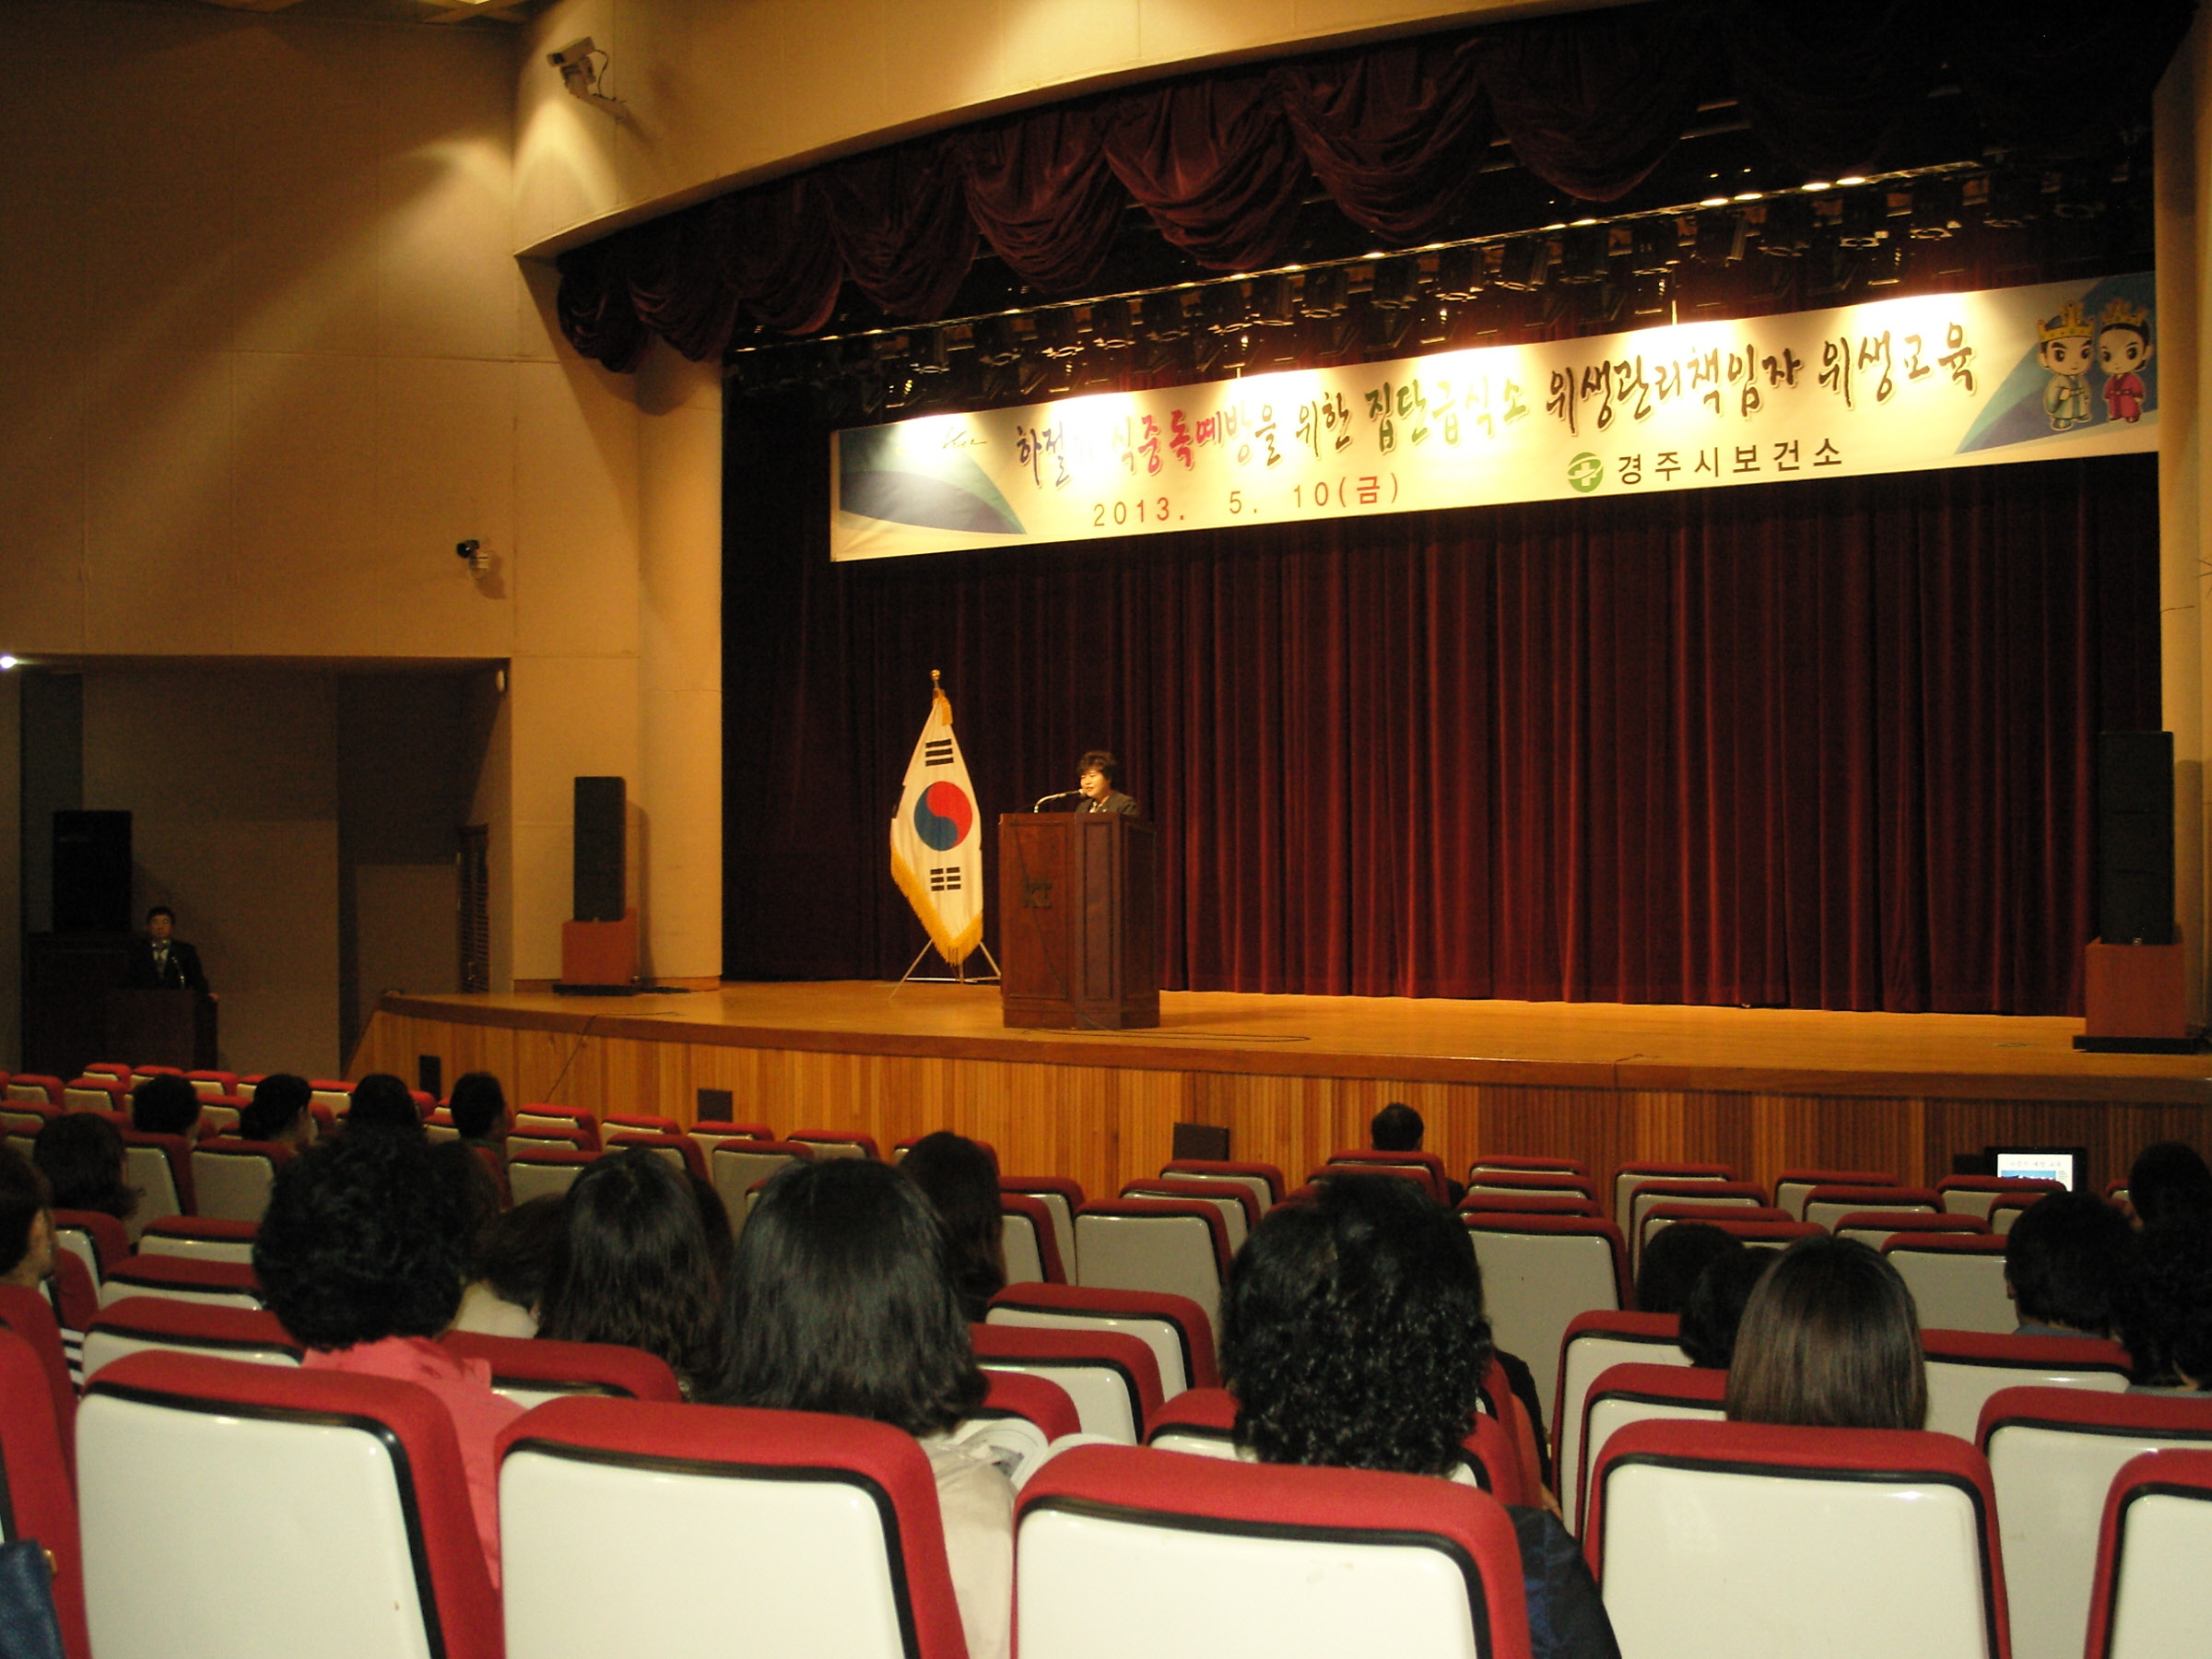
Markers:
point(1061, 796)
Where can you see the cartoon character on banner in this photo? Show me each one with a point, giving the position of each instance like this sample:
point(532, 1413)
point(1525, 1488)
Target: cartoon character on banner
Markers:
point(2065, 352)
point(2122, 346)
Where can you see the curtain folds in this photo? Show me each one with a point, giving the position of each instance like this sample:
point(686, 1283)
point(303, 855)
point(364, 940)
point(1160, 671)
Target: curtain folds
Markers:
point(1819, 744)
point(1393, 134)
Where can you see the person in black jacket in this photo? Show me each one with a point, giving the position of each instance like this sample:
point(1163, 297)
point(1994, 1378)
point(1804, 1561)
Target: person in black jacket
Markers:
point(1353, 1334)
point(161, 962)
point(1099, 776)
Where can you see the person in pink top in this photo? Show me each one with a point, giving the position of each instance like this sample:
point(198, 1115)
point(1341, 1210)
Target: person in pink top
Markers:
point(362, 1255)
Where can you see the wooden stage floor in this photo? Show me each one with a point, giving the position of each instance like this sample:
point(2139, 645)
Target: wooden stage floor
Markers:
point(1293, 1078)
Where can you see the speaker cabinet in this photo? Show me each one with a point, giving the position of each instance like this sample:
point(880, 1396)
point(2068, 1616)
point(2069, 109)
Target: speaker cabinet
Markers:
point(2135, 838)
point(91, 871)
point(600, 851)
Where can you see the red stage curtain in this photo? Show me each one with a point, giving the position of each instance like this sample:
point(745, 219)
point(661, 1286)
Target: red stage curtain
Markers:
point(1819, 744)
point(1393, 134)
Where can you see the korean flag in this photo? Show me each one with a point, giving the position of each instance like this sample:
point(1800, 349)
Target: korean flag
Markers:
point(936, 837)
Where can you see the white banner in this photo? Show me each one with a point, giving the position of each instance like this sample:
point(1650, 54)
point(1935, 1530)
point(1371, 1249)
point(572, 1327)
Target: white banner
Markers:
point(1898, 385)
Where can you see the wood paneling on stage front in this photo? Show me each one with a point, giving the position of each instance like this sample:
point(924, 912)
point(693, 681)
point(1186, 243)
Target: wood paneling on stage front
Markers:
point(1105, 1123)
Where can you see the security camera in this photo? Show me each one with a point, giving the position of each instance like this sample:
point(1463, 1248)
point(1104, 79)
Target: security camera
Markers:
point(471, 552)
point(577, 54)
point(581, 65)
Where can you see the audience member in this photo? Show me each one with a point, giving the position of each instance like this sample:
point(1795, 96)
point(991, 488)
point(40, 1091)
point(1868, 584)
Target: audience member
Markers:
point(164, 1104)
point(479, 1106)
point(2062, 1260)
point(83, 1157)
point(634, 1266)
point(513, 1253)
point(1714, 1309)
point(1673, 1258)
point(2169, 1178)
point(960, 1180)
point(2164, 1306)
point(1353, 1334)
point(1398, 1128)
point(381, 1101)
point(842, 1300)
point(279, 1112)
point(1830, 1339)
point(360, 1255)
point(714, 1216)
point(26, 1222)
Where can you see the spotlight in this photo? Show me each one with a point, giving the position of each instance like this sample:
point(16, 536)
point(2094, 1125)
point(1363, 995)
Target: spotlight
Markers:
point(1649, 294)
point(1111, 325)
point(8, 662)
point(1721, 236)
point(1882, 265)
point(1861, 226)
point(1459, 273)
point(1393, 284)
point(1655, 246)
point(1582, 254)
point(1165, 318)
point(2077, 197)
point(2016, 200)
point(995, 341)
point(933, 352)
point(1789, 228)
point(1057, 332)
point(1432, 324)
point(1523, 263)
point(1325, 293)
point(1934, 210)
point(1270, 302)
point(1382, 329)
point(1221, 309)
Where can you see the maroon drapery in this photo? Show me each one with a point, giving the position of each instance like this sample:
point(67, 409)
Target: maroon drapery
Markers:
point(1820, 745)
point(1590, 102)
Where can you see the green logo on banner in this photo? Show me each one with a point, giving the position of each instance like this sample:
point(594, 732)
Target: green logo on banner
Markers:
point(1586, 473)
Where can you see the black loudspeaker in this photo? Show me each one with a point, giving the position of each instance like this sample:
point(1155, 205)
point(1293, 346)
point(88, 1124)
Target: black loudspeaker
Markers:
point(92, 872)
point(429, 1076)
point(1208, 1141)
point(2135, 838)
point(599, 850)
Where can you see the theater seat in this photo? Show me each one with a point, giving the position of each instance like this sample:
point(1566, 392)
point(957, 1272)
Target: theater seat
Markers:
point(2148, 1602)
point(1827, 1205)
point(681, 1151)
point(1629, 1176)
point(531, 1370)
point(1032, 1248)
point(1974, 1195)
point(825, 1530)
point(1201, 1422)
point(1538, 1271)
point(1622, 1395)
point(165, 1323)
point(1175, 1246)
point(30, 1317)
point(1529, 1163)
point(1175, 1327)
point(1594, 1344)
point(1792, 1187)
point(735, 1165)
point(559, 1120)
point(344, 1493)
point(1428, 1165)
point(94, 1238)
point(1956, 1279)
point(1240, 1212)
point(538, 1174)
point(839, 1143)
point(233, 1177)
point(1121, 1550)
point(1263, 1181)
point(1112, 1377)
point(1749, 1540)
point(200, 1239)
point(1037, 1400)
point(1965, 1367)
point(217, 1284)
point(37, 1498)
point(159, 1166)
point(2055, 1454)
point(1063, 1199)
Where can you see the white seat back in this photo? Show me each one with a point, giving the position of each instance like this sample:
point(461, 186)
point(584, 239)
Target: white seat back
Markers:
point(1827, 1212)
point(1262, 1193)
point(1091, 1586)
point(1101, 1394)
point(104, 1346)
point(1955, 1290)
point(1063, 1228)
point(198, 1250)
point(314, 1505)
point(1159, 1335)
point(1610, 1413)
point(1533, 1286)
point(526, 1181)
point(1170, 1253)
point(2051, 1480)
point(2158, 1600)
point(1958, 1392)
point(78, 1244)
point(232, 1188)
point(817, 1575)
point(734, 1170)
point(146, 1168)
point(1584, 1360)
point(1727, 1564)
point(1025, 1260)
point(1625, 1183)
point(114, 1290)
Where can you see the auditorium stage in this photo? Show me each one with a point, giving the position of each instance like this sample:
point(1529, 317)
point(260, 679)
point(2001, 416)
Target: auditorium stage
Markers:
point(1293, 1078)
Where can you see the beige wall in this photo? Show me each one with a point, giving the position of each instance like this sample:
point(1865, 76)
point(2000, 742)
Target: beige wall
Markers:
point(718, 92)
point(231, 781)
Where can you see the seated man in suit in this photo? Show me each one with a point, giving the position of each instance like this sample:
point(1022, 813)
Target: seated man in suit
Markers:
point(1101, 777)
point(161, 962)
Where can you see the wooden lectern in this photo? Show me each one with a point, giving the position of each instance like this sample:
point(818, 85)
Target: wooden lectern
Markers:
point(162, 1028)
point(1078, 920)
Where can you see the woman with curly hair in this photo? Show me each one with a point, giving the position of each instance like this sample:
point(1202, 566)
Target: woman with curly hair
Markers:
point(632, 1264)
point(842, 1300)
point(360, 1255)
point(1353, 1334)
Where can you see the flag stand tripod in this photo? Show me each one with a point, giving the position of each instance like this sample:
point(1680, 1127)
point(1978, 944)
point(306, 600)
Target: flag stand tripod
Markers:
point(960, 974)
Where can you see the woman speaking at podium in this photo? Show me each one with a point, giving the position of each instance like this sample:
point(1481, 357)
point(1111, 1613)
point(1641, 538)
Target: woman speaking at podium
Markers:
point(1101, 779)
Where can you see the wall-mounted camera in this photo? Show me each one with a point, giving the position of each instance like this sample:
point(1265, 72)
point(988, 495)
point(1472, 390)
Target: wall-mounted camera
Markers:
point(471, 553)
point(581, 65)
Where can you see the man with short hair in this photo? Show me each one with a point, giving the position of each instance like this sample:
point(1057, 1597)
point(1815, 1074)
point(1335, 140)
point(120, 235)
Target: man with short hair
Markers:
point(161, 962)
point(165, 1104)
